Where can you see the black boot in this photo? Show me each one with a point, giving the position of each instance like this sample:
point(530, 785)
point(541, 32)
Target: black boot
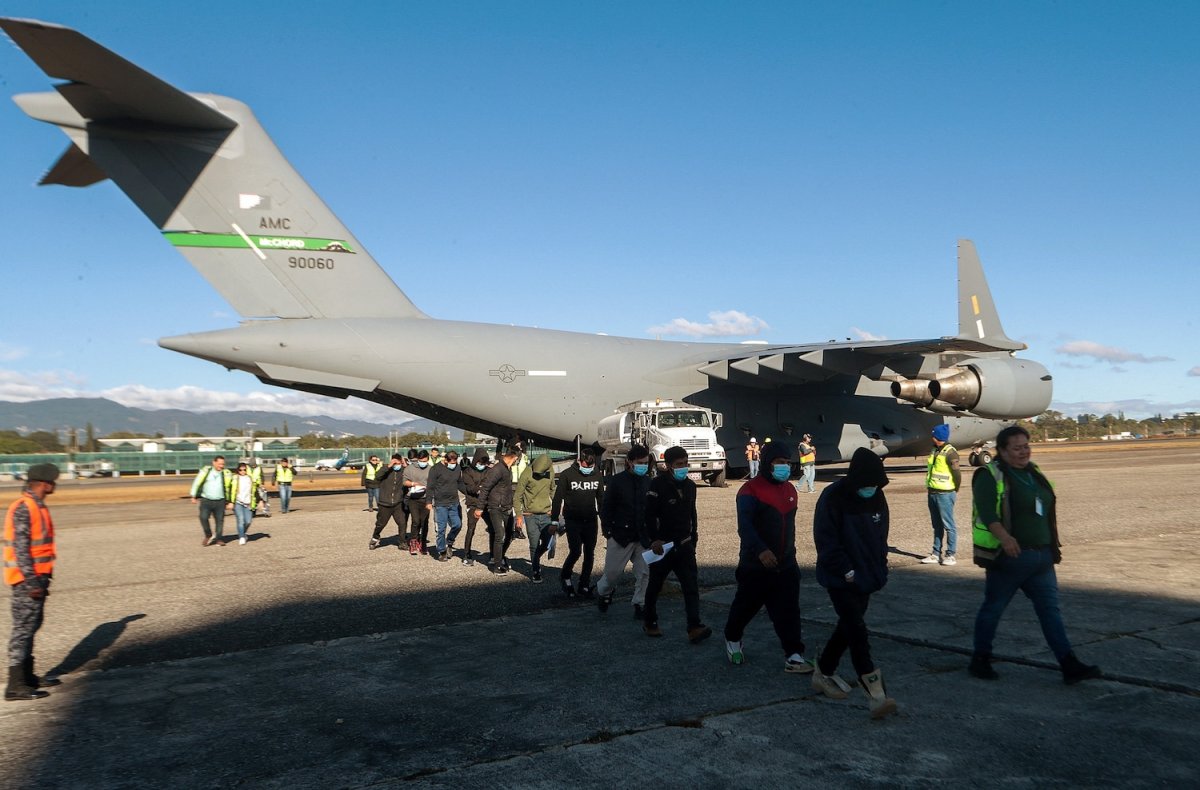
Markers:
point(33, 681)
point(981, 667)
point(17, 687)
point(1074, 670)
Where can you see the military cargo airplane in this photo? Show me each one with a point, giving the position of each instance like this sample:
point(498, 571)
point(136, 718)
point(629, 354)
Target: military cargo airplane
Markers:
point(319, 312)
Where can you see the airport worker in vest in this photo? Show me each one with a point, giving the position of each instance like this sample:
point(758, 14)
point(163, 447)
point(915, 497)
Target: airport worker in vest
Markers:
point(752, 452)
point(1015, 531)
point(28, 566)
point(370, 481)
point(808, 463)
point(284, 475)
point(209, 489)
point(942, 479)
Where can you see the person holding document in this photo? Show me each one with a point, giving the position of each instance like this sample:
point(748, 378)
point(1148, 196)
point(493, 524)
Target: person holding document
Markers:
point(767, 573)
point(671, 518)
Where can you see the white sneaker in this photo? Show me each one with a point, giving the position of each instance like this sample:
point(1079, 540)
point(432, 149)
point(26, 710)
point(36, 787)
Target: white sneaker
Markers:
point(795, 663)
point(831, 686)
point(932, 559)
point(949, 560)
point(734, 651)
point(241, 541)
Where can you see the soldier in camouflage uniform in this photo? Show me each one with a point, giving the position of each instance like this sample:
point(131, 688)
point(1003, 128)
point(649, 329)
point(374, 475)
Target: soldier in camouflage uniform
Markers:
point(28, 565)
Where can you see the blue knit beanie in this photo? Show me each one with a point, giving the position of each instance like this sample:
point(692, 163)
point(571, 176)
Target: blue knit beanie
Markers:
point(942, 432)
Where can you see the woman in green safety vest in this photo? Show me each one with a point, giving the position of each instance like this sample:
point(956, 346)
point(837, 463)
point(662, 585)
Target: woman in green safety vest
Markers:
point(1016, 541)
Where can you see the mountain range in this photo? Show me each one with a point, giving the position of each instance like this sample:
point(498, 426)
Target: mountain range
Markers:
point(107, 416)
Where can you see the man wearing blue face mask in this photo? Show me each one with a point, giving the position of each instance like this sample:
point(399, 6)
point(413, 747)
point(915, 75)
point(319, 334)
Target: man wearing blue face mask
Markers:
point(622, 511)
point(391, 497)
point(671, 518)
point(767, 573)
point(443, 497)
point(850, 529)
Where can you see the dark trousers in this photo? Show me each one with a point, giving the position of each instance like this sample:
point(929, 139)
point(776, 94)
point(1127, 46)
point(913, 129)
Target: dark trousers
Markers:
point(581, 539)
point(851, 606)
point(216, 509)
point(681, 560)
point(26, 620)
point(499, 522)
point(418, 510)
point(472, 522)
point(778, 589)
point(392, 513)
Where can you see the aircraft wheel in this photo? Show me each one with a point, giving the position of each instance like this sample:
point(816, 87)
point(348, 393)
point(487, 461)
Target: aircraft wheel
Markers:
point(985, 458)
point(973, 459)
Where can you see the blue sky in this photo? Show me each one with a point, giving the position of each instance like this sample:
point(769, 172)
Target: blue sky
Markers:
point(766, 171)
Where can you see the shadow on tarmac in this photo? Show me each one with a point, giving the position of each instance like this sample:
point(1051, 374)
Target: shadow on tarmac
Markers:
point(416, 686)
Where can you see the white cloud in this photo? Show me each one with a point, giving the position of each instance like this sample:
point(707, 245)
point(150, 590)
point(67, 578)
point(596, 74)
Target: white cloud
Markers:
point(1133, 408)
point(865, 335)
point(1194, 371)
point(22, 387)
point(1086, 348)
point(11, 353)
point(727, 323)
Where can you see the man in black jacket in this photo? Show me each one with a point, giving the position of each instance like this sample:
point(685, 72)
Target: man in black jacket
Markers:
point(576, 501)
point(390, 498)
point(443, 494)
point(622, 513)
point(671, 518)
point(496, 494)
point(472, 477)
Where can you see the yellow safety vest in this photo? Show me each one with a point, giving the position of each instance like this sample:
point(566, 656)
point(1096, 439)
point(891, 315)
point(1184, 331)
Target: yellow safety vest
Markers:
point(939, 478)
point(810, 457)
point(981, 535)
point(284, 474)
point(370, 470)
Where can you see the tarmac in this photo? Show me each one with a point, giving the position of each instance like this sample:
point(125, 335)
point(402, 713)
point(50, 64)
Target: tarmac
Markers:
point(302, 660)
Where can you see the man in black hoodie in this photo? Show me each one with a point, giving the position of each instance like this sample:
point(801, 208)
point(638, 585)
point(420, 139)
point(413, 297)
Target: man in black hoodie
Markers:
point(850, 529)
point(621, 515)
point(472, 477)
point(767, 573)
point(671, 518)
point(496, 494)
point(577, 500)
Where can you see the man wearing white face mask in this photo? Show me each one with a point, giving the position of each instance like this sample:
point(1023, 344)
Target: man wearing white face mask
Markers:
point(575, 507)
point(850, 528)
point(416, 481)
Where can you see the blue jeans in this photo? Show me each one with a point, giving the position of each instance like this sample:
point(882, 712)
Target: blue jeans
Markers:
point(754, 468)
point(941, 512)
point(372, 498)
point(810, 476)
point(244, 516)
point(443, 514)
point(285, 496)
point(1033, 573)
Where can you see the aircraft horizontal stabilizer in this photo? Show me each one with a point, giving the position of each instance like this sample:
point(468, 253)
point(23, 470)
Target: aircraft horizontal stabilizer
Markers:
point(104, 87)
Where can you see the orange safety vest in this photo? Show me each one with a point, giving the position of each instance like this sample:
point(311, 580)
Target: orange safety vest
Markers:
point(41, 540)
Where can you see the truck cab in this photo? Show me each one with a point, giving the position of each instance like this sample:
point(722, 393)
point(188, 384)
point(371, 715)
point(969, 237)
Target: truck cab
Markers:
point(660, 425)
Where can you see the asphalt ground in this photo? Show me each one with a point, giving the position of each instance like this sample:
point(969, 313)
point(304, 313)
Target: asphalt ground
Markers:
point(303, 659)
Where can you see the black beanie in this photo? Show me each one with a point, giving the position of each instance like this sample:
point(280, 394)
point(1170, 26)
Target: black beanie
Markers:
point(772, 450)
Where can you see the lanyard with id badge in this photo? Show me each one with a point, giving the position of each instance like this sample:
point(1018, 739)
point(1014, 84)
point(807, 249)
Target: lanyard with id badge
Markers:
point(1025, 478)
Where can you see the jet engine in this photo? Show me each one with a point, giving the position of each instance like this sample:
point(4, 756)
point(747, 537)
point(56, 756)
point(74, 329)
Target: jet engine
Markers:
point(996, 388)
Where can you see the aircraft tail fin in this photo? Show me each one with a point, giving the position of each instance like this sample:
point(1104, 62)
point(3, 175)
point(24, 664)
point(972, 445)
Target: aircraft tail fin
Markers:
point(205, 172)
point(978, 319)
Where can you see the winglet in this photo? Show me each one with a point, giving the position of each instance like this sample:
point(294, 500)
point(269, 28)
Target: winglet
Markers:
point(977, 316)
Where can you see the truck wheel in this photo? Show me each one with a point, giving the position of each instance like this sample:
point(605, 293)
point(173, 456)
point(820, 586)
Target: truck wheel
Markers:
point(718, 480)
